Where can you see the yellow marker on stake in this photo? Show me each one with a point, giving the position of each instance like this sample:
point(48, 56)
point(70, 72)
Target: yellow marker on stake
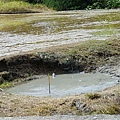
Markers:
point(49, 81)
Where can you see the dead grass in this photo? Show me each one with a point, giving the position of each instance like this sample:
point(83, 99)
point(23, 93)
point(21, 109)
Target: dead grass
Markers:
point(93, 96)
point(17, 105)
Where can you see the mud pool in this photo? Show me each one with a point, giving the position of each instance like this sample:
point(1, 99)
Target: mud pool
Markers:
point(65, 84)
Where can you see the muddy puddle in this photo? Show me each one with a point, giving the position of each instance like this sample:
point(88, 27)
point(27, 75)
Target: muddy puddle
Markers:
point(25, 32)
point(65, 84)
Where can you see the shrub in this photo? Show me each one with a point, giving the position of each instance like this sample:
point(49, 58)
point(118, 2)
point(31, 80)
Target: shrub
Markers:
point(112, 4)
point(81, 4)
point(65, 4)
point(98, 4)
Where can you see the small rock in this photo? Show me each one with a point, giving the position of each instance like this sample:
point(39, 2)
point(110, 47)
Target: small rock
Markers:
point(53, 75)
point(118, 81)
point(1, 90)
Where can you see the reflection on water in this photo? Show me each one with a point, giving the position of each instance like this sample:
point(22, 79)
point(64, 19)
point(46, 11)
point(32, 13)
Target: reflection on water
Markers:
point(65, 84)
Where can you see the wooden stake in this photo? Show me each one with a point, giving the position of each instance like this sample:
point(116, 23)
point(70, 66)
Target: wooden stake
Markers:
point(49, 81)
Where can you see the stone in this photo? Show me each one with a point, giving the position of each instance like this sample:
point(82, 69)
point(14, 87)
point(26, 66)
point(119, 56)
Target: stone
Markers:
point(1, 90)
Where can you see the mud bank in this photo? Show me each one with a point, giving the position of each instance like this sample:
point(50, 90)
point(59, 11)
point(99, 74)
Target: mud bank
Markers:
point(85, 56)
point(22, 66)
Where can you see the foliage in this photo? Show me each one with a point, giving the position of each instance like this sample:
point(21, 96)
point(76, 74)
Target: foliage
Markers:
point(72, 4)
point(81, 4)
point(98, 4)
point(6, 84)
point(113, 3)
point(65, 4)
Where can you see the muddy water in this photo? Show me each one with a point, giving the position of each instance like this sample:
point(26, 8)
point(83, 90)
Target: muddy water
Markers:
point(65, 84)
point(25, 32)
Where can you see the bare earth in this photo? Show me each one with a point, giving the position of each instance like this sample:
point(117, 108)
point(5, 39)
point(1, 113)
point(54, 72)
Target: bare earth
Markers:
point(66, 117)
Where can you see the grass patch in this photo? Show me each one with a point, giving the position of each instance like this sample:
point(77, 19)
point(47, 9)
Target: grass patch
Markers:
point(8, 25)
point(92, 54)
point(6, 84)
point(106, 32)
point(108, 22)
point(52, 23)
point(19, 6)
point(14, 7)
point(113, 109)
point(96, 48)
point(106, 17)
point(46, 110)
point(93, 96)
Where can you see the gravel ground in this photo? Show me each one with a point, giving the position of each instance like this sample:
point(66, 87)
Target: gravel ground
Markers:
point(65, 117)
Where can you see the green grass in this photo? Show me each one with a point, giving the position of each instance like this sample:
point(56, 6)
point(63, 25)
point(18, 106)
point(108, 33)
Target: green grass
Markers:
point(6, 84)
point(96, 48)
point(19, 6)
point(106, 32)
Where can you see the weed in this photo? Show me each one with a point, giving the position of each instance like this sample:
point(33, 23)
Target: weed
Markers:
point(18, 6)
point(46, 110)
point(113, 109)
point(93, 96)
point(6, 84)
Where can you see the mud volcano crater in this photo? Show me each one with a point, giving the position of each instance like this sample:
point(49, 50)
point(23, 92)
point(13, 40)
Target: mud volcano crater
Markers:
point(61, 60)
